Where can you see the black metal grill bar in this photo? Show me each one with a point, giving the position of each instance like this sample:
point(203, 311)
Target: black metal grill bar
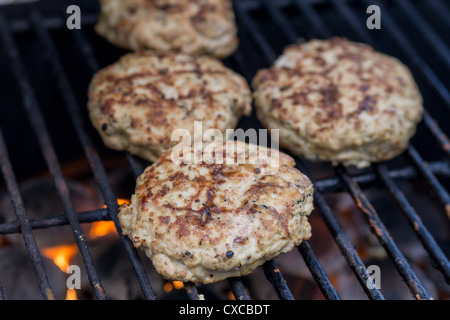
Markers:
point(23, 223)
point(427, 240)
point(414, 284)
point(317, 272)
point(238, 289)
point(315, 268)
point(347, 248)
point(344, 244)
point(275, 277)
point(313, 18)
point(437, 133)
point(427, 31)
point(93, 158)
point(384, 238)
point(440, 10)
point(191, 291)
point(378, 227)
point(89, 57)
point(323, 186)
point(414, 59)
point(275, 15)
point(243, 17)
point(440, 191)
point(412, 54)
point(342, 181)
point(353, 22)
point(249, 5)
point(430, 123)
point(310, 258)
point(37, 122)
point(415, 222)
point(442, 194)
point(440, 168)
point(404, 45)
point(83, 217)
point(22, 25)
point(136, 166)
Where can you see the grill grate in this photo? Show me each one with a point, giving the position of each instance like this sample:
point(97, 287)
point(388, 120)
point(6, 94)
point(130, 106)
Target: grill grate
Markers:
point(340, 180)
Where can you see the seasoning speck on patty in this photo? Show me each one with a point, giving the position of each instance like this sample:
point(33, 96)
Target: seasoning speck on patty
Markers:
point(166, 217)
point(138, 102)
point(197, 27)
point(339, 101)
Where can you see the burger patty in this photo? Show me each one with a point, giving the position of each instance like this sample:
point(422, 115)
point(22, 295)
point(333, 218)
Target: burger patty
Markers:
point(339, 101)
point(193, 27)
point(138, 102)
point(209, 221)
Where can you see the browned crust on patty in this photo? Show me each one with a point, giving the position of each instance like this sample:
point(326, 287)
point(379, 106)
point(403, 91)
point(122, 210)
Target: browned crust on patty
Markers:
point(339, 101)
point(139, 101)
point(207, 222)
point(193, 27)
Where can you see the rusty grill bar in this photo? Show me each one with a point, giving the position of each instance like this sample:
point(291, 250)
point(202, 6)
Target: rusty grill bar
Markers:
point(341, 181)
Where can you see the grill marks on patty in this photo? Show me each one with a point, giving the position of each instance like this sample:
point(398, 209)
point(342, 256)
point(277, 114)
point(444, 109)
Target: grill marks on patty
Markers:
point(229, 217)
point(339, 101)
point(211, 204)
point(145, 96)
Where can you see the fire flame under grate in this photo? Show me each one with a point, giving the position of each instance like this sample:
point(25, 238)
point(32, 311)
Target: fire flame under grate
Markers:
point(265, 27)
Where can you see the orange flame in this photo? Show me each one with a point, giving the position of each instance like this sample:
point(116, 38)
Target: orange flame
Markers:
point(120, 201)
point(103, 228)
point(61, 255)
point(71, 294)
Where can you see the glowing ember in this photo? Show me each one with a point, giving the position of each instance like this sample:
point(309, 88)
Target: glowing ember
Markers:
point(177, 284)
point(231, 295)
point(168, 287)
